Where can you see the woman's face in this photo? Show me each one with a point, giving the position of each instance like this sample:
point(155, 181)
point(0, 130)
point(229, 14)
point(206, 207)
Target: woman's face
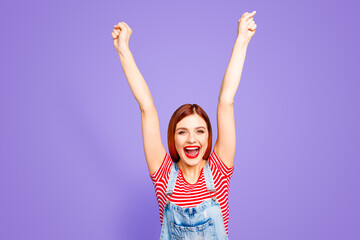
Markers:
point(191, 139)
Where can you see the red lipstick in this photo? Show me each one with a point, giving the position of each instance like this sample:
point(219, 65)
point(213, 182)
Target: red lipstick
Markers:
point(192, 151)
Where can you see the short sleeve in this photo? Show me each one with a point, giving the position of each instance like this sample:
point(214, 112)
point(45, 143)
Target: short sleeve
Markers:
point(214, 160)
point(160, 179)
point(163, 171)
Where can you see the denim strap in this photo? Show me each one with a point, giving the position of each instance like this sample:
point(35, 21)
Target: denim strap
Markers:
point(172, 179)
point(210, 186)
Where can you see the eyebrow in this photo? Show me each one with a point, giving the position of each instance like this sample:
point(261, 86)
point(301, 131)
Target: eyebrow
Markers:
point(182, 128)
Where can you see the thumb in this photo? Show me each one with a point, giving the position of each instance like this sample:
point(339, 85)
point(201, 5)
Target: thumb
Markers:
point(250, 15)
point(115, 39)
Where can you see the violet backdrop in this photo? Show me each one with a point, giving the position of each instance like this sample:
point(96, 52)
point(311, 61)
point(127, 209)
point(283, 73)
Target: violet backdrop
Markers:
point(72, 162)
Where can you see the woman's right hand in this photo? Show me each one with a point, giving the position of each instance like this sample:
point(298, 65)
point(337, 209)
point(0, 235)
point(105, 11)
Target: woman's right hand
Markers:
point(153, 147)
point(121, 36)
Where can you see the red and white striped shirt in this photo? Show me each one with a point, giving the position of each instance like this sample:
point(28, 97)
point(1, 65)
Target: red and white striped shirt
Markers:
point(190, 195)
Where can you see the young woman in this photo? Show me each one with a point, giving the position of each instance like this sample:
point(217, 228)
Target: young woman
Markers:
point(192, 184)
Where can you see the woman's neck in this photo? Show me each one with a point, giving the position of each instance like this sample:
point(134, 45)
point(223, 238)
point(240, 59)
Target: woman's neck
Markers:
point(191, 173)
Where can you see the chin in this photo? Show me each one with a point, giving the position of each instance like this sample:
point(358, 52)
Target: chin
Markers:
point(191, 161)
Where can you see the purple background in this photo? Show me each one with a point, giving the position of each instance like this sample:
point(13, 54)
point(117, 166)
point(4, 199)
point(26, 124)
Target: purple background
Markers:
point(72, 162)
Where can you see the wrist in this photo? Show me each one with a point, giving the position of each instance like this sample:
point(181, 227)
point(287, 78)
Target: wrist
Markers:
point(241, 40)
point(123, 50)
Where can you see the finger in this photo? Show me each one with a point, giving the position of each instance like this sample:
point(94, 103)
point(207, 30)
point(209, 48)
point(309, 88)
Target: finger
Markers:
point(250, 20)
point(251, 24)
point(114, 35)
point(253, 28)
point(126, 24)
point(245, 13)
point(250, 15)
point(119, 26)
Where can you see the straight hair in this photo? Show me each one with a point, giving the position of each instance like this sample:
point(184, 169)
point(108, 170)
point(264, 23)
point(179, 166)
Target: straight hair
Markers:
point(180, 113)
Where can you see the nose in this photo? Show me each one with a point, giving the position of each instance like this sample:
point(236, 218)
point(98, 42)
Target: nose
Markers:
point(191, 138)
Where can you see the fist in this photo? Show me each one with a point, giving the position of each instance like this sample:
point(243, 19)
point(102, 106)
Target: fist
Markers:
point(121, 35)
point(247, 26)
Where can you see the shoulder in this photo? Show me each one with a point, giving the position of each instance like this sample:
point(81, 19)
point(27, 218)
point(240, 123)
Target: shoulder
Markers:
point(163, 171)
point(216, 164)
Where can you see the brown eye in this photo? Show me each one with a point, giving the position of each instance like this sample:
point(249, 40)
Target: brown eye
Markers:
point(201, 131)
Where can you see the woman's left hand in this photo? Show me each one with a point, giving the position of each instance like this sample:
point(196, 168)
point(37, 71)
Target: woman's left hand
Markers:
point(246, 26)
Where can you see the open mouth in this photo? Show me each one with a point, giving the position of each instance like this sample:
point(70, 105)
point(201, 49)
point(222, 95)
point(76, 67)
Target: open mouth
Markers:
point(192, 151)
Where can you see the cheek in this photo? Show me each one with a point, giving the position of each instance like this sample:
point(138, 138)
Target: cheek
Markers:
point(205, 140)
point(179, 145)
point(178, 141)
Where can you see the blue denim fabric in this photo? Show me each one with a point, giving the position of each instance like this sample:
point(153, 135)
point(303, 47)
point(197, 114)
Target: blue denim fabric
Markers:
point(204, 221)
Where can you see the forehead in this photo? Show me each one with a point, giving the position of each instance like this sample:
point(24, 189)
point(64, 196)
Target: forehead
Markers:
point(191, 121)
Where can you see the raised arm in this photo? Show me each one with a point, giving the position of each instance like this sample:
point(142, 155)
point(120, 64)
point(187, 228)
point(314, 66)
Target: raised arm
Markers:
point(226, 142)
point(153, 147)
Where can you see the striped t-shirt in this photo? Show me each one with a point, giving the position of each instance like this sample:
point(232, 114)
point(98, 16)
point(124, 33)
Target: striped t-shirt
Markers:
point(190, 195)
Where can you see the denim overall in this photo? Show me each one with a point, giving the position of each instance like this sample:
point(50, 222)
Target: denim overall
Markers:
point(205, 221)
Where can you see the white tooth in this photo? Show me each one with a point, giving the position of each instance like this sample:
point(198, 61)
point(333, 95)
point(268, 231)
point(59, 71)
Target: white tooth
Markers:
point(192, 148)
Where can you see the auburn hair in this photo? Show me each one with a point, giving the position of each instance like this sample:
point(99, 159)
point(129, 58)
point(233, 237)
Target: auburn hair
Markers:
point(180, 113)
